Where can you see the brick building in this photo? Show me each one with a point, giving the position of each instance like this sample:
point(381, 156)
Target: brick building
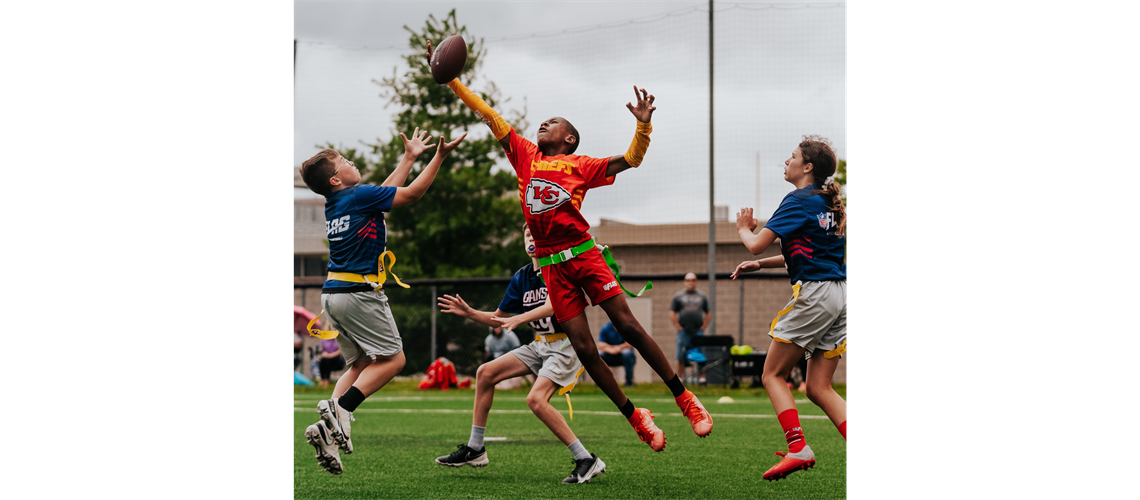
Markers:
point(744, 307)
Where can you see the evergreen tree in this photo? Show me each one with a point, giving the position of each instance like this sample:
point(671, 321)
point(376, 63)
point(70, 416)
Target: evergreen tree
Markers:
point(468, 223)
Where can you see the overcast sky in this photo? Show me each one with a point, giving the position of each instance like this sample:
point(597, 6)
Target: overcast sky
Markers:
point(779, 74)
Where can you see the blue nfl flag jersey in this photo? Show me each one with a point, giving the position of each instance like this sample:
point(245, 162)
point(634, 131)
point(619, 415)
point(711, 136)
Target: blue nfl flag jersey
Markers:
point(808, 240)
point(525, 292)
point(357, 233)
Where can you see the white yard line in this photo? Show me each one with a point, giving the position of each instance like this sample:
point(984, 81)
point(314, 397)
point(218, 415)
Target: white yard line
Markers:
point(418, 398)
point(735, 402)
point(584, 412)
point(372, 399)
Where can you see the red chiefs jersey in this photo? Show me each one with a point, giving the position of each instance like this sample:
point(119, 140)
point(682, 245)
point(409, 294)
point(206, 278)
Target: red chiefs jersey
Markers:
point(551, 189)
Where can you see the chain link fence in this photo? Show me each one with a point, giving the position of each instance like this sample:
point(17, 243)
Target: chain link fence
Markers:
point(746, 307)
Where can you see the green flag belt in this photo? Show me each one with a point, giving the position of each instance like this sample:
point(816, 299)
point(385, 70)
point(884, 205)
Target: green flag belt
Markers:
point(572, 252)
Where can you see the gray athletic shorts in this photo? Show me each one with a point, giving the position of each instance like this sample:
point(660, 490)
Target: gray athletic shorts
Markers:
point(365, 324)
point(815, 318)
point(556, 360)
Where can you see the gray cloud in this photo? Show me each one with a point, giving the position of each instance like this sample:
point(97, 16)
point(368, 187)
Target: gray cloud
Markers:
point(780, 74)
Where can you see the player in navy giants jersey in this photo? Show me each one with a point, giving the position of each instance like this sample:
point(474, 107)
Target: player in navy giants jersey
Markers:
point(810, 223)
point(526, 292)
point(549, 357)
point(352, 295)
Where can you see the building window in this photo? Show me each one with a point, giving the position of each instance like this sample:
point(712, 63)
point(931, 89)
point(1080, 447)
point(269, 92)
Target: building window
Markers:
point(310, 265)
point(316, 266)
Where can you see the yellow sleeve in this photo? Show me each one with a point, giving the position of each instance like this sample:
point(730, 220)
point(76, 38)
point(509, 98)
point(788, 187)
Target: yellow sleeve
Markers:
point(499, 126)
point(639, 145)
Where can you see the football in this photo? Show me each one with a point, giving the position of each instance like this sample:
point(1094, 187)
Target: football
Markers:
point(448, 59)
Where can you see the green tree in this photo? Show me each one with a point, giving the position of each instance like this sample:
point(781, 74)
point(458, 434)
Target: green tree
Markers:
point(468, 222)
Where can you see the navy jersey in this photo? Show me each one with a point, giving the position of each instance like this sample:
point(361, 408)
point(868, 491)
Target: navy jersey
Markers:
point(355, 228)
point(806, 228)
point(527, 291)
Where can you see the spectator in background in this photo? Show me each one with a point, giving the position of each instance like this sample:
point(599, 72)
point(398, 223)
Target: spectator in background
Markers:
point(331, 360)
point(499, 343)
point(690, 314)
point(615, 351)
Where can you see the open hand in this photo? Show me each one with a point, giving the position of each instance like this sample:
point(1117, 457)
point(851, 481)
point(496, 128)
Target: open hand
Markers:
point(447, 147)
point(745, 267)
point(644, 109)
point(454, 305)
point(509, 324)
point(744, 220)
point(417, 144)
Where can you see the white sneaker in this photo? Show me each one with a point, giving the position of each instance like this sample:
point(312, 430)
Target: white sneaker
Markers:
point(339, 422)
point(585, 469)
point(328, 454)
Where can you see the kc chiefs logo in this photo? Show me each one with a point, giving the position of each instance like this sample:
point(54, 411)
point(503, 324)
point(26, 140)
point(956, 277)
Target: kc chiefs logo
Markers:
point(542, 195)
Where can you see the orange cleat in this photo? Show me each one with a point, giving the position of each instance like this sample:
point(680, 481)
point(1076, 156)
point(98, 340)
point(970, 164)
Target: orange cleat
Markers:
point(642, 422)
point(698, 416)
point(792, 462)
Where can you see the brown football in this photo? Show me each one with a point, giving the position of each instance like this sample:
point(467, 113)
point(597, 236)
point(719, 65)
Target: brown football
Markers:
point(448, 59)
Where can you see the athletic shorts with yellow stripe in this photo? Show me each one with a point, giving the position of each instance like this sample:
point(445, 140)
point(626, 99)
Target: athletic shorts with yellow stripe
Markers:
point(815, 318)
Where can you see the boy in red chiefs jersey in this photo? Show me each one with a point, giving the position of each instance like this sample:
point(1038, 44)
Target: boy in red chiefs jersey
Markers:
point(552, 183)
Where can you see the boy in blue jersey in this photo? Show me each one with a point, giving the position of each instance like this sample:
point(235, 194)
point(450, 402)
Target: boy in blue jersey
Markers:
point(810, 223)
point(550, 357)
point(352, 295)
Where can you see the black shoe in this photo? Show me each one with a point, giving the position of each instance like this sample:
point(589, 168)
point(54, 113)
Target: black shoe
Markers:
point(585, 469)
point(465, 456)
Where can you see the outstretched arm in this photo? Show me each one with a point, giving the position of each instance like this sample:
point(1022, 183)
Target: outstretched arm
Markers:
point(644, 113)
point(412, 149)
point(457, 306)
point(745, 224)
point(756, 265)
point(412, 193)
point(499, 127)
point(543, 311)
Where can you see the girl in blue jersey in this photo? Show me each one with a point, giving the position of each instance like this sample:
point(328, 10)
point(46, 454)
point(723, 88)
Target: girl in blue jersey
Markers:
point(810, 224)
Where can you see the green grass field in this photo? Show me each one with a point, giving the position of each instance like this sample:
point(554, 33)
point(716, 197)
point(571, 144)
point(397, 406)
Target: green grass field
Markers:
point(399, 431)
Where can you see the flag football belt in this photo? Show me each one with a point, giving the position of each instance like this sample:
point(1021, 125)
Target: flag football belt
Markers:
point(575, 251)
point(549, 338)
point(376, 281)
point(566, 390)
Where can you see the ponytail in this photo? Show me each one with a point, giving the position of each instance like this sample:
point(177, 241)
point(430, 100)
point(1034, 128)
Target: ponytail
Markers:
point(817, 151)
point(835, 193)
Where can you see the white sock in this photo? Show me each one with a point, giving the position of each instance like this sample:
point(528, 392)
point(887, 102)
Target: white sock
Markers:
point(578, 450)
point(476, 441)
